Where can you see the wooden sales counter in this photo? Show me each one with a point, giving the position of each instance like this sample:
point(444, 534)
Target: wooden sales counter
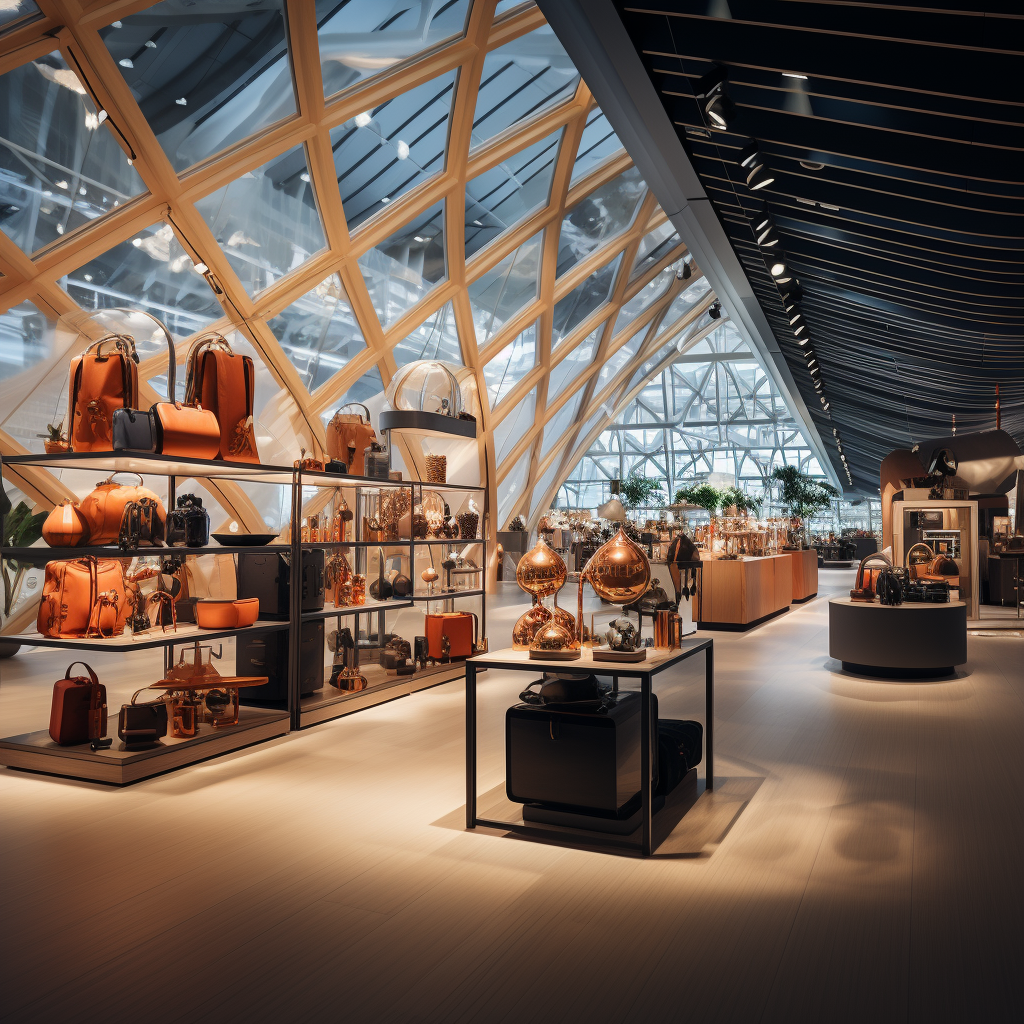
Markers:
point(738, 594)
point(805, 574)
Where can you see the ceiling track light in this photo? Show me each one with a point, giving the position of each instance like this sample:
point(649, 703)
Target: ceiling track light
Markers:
point(759, 177)
point(804, 340)
point(717, 108)
point(800, 329)
point(749, 155)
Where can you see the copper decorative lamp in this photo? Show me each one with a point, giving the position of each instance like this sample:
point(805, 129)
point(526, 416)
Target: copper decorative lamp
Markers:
point(618, 572)
point(541, 571)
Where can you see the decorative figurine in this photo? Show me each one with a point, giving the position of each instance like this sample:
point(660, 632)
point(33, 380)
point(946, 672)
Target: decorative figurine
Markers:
point(540, 572)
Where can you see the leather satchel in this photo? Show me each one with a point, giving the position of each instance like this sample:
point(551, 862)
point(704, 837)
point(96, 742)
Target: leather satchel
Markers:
point(224, 383)
point(83, 597)
point(103, 508)
point(867, 575)
point(170, 428)
point(78, 711)
point(348, 436)
point(103, 379)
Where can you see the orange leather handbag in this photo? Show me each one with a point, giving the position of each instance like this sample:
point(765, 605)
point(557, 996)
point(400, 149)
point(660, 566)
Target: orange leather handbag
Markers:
point(104, 378)
point(348, 436)
point(460, 628)
point(83, 597)
point(867, 576)
point(186, 430)
point(103, 508)
point(224, 383)
point(65, 526)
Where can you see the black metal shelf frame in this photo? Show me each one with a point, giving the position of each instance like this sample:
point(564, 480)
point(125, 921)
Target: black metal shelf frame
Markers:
point(296, 479)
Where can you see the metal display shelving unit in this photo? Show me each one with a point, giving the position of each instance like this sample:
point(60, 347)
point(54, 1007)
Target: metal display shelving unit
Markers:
point(36, 752)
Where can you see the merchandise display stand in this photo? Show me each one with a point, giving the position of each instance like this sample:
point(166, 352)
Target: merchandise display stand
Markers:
point(330, 703)
point(257, 721)
point(658, 661)
point(902, 641)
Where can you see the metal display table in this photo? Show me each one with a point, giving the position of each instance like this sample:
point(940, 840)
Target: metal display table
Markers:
point(658, 661)
point(902, 641)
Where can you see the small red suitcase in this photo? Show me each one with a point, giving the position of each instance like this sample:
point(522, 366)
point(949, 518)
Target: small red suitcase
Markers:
point(78, 713)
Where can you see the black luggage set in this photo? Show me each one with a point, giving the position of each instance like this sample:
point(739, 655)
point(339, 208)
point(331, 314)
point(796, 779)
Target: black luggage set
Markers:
point(577, 763)
point(265, 653)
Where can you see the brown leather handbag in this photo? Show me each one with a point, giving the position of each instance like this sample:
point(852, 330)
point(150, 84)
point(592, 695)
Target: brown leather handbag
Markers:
point(186, 430)
point(78, 711)
point(104, 378)
point(867, 576)
point(223, 382)
point(348, 436)
point(103, 508)
point(83, 597)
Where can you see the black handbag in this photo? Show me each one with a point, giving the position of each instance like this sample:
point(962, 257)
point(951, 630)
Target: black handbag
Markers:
point(142, 725)
point(133, 429)
point(141, 526)
point(188, 525)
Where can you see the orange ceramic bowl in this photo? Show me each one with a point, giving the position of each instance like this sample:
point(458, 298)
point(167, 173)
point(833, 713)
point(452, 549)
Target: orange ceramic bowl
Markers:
point(248, 609)
point(216, 614)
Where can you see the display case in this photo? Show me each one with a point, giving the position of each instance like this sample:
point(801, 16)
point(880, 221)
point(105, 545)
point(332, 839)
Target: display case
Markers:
point(289, 634)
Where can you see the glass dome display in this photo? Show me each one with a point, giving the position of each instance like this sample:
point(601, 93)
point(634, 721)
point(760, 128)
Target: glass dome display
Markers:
point(427, 385)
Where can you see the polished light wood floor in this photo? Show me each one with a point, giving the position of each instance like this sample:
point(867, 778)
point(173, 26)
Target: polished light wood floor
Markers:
point(859, 861)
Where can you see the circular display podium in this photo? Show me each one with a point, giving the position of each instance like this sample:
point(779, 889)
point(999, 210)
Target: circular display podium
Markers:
point(903, 641)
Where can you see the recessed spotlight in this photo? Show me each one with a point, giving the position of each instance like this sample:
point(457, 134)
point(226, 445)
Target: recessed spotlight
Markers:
point(115, 24)
point(804, 340)
point(828, 206)
point(811, 165)
point(793, 74)
point(402, 149)
point(800, 329)
point(778, 269)
point(150, 45)
point(125, 62)
point(420, 238)
point(181, 101)
point(386, 199)
point(796, 317)
point(806, 202)
point(304, 176)
point(363, 119)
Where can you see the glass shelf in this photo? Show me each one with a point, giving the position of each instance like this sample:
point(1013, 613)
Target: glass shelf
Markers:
point(186, 633)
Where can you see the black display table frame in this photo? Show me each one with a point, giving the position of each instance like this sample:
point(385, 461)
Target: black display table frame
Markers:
point(657, 662)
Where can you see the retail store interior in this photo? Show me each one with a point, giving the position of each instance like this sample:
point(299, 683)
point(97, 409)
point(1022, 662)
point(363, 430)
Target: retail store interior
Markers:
point(510, 511)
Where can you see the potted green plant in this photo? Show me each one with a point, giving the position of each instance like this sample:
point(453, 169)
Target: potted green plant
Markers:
point(744, 503)
point(702, 495)
point(638, 491)
point(21, 530)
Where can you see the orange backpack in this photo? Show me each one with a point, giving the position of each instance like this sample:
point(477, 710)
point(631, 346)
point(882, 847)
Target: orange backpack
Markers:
point(104, 378)
point(224, 383)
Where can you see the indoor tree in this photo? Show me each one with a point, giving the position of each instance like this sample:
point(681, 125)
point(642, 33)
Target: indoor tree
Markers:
point(21, 530)
point(800, 495)
point(637, 491)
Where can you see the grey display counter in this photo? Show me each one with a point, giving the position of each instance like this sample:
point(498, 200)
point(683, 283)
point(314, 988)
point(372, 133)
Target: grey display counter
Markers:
point(902, 641)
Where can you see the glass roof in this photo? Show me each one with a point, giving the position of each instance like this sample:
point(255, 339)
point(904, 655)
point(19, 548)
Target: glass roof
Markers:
point(360, 39)
point(337, 237)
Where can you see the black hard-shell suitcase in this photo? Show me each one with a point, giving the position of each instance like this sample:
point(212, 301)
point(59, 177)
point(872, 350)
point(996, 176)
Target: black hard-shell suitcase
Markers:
point(265, 653)
point(265, 575)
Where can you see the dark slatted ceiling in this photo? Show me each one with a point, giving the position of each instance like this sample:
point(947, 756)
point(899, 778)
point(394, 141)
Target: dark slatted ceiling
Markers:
point(908, 243)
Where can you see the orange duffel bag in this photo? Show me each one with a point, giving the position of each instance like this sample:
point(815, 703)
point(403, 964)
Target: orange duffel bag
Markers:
point(349, 435)
point(103, 508)
point(219, 380)
point(83, 597)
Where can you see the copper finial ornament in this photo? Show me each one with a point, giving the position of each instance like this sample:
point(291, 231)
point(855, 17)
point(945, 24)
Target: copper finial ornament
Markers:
point(618, 571)
point(541, 571)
